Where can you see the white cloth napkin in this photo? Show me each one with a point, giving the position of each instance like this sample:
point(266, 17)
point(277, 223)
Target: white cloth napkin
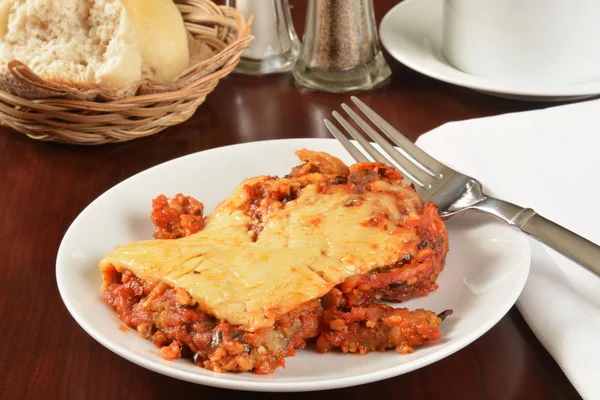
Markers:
point(548, 160)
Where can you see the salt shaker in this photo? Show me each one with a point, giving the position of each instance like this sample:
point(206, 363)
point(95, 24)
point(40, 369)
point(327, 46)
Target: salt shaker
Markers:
point(340, 50)
point(275, 46)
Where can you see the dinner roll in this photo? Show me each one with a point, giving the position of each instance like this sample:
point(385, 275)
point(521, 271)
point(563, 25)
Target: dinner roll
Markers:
point(108, 44)
point(81, 43)
point(163, 38)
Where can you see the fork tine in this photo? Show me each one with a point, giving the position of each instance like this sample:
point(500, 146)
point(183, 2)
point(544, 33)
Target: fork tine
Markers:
point(408, 147)
point(377, 156)
point(354, 152)
point(416, 173)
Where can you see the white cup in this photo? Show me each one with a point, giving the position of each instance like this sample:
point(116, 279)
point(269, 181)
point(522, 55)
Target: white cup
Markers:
point(554, 41)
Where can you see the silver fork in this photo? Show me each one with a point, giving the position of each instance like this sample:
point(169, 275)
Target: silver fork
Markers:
point(452, 191)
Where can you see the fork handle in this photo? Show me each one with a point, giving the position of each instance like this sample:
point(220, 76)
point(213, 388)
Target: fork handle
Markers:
point(559, 238)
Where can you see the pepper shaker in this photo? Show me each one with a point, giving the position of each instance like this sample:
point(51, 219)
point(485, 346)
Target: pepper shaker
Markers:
point(275, 46)
point(340, 50)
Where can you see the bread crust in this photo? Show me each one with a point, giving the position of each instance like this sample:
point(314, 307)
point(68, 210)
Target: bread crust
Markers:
point(163, 38)
point(19, 80)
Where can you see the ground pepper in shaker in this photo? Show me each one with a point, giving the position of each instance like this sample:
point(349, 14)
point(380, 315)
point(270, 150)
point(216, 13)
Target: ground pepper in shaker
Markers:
point(340, 50)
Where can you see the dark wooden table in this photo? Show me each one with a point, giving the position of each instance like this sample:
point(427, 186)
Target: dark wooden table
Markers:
point(44, 354)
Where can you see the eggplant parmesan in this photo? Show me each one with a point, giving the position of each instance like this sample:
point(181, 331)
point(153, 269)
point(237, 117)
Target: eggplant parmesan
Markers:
point(281, 262)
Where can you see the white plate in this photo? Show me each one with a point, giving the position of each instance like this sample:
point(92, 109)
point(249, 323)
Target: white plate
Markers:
point(412, 33)
point(486, 270)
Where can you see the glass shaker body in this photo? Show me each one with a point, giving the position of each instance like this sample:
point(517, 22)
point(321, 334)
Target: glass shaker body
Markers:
point(275, 46)
point(340, 50)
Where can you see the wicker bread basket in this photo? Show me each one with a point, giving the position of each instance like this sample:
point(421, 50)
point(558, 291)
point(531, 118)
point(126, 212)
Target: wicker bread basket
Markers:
point(53, 112)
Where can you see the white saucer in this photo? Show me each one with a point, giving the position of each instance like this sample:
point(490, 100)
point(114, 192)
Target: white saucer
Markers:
point(412, 33)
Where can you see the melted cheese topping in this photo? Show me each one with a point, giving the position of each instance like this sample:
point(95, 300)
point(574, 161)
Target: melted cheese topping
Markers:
point(304, 249)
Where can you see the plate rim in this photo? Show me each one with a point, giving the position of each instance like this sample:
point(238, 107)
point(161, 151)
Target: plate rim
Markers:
point(304, 386)
point(387, 27)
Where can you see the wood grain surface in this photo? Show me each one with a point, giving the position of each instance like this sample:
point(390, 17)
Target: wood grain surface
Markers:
point(44, 354)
